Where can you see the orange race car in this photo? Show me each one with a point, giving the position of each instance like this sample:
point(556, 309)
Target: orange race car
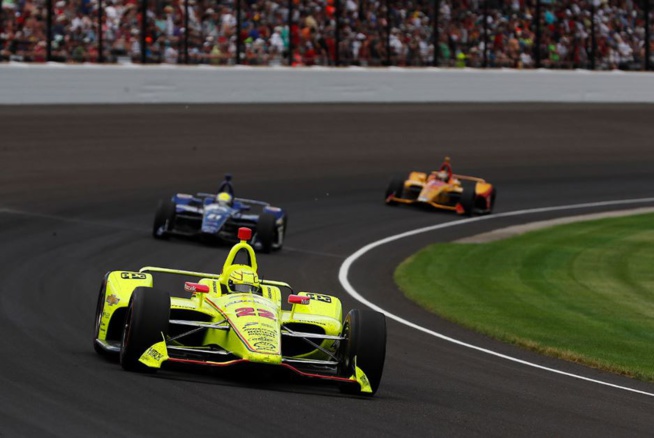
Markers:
point(444, 190)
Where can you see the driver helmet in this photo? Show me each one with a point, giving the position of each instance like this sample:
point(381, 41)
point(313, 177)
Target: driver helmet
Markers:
point(224, 199)
point(243, 280)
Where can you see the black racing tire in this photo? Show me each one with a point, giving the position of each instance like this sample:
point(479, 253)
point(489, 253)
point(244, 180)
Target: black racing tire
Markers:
point(147, 318)
point(266, 231)
point(99, 309)
point(164, 216)
point(395, 188)
point(365, 339)
point(283, 233)
point(468, 198)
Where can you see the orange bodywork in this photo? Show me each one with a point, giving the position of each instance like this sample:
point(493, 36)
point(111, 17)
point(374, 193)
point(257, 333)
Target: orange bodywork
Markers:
point(438, 193)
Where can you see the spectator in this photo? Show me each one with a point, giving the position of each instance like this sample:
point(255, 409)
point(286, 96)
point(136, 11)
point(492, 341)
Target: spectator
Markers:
point(565, 42)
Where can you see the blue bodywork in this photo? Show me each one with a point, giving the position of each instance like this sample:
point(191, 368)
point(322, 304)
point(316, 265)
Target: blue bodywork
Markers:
point(201, 215)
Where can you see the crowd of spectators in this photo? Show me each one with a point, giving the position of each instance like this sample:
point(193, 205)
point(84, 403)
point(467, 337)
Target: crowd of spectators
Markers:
point(369, 33)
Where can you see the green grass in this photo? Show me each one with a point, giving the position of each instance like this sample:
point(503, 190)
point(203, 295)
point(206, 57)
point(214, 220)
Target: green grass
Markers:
point(582, 292)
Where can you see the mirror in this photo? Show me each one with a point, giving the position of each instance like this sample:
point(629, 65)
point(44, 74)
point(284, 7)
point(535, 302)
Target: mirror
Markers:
point(298, 299)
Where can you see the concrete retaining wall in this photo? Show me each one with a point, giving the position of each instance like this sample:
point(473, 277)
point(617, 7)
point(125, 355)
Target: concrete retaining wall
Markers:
point(70, 84)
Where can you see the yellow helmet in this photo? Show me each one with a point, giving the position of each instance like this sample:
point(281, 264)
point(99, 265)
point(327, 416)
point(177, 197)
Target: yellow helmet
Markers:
point(224, 198)
point(243, 279)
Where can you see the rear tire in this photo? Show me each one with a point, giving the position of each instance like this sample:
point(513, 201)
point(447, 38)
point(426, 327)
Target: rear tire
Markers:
point(468, 198)
point(365, 339)
point(396, 189)
point(164, 217)
point(147, 318)
point(266, 231)
point(281, 233)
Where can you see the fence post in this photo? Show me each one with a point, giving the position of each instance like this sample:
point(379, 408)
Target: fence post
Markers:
point(48, 47)
point(185, 31)
point(239, 25)
point(538, 35)
point(100, 40)
point(485, 34)
point(647, 35)
point(337, 33)
point(388, 33)
point(593, 42)
point(435, 34)
point(144, 27)
point(290, 33)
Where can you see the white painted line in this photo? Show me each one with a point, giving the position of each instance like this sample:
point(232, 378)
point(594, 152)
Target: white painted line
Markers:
point(345, 268)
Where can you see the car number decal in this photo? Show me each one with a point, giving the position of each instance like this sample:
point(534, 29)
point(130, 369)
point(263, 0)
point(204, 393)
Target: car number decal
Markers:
point(318, 297)
point(251, 311)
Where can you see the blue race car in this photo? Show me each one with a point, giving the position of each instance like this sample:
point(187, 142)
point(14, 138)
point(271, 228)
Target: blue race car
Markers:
point(217, 218)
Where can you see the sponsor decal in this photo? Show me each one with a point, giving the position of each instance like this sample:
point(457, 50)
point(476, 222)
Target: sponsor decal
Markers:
point(112, 300)
point(155, 355)
point(261, 332)
point(132, 276)
point(262, 338)
point(237, 301)
point(264, 346)
point(319, 297)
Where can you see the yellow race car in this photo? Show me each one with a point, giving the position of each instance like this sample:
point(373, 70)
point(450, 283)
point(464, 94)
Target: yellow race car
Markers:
point(234, 319)
point(442, 190)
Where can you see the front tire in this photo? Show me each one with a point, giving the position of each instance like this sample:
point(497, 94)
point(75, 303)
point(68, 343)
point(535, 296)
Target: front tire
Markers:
point(395, 189)
point(468, 198)
point(267, 231)
point(147, 318)
point(365, 340)
point(163, 219)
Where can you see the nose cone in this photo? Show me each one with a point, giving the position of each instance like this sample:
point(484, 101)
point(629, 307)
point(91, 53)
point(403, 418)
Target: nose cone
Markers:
point(256, 328)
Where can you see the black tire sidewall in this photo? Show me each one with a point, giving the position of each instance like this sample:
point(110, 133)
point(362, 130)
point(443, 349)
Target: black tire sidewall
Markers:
point(147, 318)
point(395, 188)
point(365, 333)
point(165, 212)
point(266, 230)
point(468, 197)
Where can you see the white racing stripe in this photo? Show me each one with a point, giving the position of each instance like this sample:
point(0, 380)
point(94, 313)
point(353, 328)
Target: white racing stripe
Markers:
point(347, 264)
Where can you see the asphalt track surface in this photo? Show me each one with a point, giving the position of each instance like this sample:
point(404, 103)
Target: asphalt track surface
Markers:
point(78, 188)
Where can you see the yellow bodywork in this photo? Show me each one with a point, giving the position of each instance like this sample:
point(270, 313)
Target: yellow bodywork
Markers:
point(155, 355)
point(246, 325)
point(118, 290)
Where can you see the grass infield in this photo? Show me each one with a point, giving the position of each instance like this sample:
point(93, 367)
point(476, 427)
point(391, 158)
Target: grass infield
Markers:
point(583, 292)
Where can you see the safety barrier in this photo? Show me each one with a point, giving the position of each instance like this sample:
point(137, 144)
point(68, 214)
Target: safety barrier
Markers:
point(88, 83)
